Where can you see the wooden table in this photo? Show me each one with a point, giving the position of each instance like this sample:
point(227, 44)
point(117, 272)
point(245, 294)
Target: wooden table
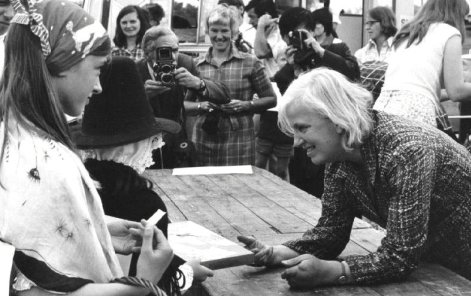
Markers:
point(274, 211)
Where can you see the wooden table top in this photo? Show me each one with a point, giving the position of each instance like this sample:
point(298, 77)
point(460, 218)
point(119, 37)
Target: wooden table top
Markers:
point(274, 211)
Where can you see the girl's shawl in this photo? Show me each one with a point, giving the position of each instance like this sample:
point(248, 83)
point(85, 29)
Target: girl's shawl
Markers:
point(51, 213)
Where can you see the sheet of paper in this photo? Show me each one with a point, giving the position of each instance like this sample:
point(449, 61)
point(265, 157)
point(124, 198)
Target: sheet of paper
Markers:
point(193, 241)
point(214, 170)
point(156, 217)
point(6, 257)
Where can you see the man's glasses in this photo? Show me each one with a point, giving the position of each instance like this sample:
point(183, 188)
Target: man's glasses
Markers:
point(370, 23)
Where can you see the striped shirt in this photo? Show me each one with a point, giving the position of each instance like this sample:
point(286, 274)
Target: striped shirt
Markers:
point(415, 181)
point(234, 143)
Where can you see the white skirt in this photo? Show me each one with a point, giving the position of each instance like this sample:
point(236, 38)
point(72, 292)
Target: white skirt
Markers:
point(408, 104)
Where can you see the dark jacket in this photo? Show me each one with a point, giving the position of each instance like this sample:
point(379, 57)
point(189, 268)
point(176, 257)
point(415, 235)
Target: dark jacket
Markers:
point(169, 104)
point(124, 193)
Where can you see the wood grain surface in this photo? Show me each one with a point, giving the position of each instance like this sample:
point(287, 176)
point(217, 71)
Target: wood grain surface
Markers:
point(274, 211)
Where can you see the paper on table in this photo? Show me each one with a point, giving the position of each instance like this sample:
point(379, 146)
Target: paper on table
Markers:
point(193, 241)
point(6, 257)
point(214, 170)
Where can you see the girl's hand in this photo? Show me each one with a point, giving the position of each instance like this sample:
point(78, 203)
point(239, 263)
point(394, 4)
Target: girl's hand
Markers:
point(266, 255)
point(124, 239)
point(153, 261)
point(200, 272)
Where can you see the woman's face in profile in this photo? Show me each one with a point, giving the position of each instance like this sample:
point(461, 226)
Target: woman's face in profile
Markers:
point(130, 24)
point(316, 134)
point(75, 85)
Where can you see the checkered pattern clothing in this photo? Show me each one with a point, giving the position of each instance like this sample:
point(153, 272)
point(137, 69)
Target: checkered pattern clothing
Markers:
point(234, 143)
point(415, 181)
point(136, 54)
point(372, 76)
point(369, 53)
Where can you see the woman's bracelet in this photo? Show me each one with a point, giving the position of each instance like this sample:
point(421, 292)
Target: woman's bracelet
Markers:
point(139, 282)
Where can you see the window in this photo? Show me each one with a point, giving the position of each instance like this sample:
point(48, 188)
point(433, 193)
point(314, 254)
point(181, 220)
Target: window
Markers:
point(184, 20)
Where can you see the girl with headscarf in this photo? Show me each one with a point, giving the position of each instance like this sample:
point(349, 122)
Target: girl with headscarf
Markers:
point(50, 210)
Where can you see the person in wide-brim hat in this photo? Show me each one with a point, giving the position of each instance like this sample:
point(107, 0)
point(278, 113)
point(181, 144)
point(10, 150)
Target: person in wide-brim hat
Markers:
point(116, 136)
point(121, 113)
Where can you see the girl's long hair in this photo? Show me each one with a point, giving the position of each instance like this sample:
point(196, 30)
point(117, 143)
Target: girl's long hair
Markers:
point(451, 12)
point(27, 92)
point(26, 89)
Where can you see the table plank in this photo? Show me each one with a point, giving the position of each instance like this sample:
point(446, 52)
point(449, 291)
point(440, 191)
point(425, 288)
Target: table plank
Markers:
point(279, 218)
point(236, 214)
point(274, 212)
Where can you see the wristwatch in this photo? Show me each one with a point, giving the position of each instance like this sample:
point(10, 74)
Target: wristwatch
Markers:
point(343, 278)
point(202, 87)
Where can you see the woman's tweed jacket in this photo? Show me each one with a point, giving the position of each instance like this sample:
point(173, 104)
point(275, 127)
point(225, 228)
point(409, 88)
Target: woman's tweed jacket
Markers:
point(416, 183)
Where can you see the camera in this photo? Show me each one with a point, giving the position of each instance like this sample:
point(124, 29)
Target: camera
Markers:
point(164, 68)
point(296, 39)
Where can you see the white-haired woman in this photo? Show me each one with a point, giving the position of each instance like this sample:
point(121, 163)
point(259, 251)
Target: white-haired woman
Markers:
point(391, 170)
point(224, 133)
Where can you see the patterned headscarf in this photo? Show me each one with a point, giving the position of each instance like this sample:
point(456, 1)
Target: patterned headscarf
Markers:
point(67, 32)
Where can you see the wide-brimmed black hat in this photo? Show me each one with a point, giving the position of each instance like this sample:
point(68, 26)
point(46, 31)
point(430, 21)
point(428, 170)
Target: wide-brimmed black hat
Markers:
point(121, 114)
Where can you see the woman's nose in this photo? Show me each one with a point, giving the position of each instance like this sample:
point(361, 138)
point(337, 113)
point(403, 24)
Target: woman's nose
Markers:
point(97, 87)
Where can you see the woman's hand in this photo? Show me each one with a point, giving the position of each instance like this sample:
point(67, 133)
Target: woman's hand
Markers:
point(312, 42)
point(207, 106)
point(125, 241)
point(156, 254)
point(266, 255)
point(307, 271)
point(236, 106)
point(154, 88)
point(200, 272)
point(289, 52)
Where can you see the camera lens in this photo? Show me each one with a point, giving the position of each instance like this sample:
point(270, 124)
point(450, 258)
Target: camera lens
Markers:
point(166, 78)
point(166, 68)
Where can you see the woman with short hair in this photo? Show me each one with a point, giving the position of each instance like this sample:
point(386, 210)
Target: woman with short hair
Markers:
point(408, 177)
point(224, 133)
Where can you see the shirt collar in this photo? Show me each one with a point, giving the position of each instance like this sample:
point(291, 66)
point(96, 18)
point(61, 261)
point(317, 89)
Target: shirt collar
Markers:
point(388, 41)
point(234, 53)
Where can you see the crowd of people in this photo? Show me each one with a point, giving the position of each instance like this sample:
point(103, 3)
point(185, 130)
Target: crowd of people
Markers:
point(295, 100)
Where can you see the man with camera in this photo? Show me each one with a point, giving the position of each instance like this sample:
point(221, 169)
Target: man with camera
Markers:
point(167, 76)
point(311, 45)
